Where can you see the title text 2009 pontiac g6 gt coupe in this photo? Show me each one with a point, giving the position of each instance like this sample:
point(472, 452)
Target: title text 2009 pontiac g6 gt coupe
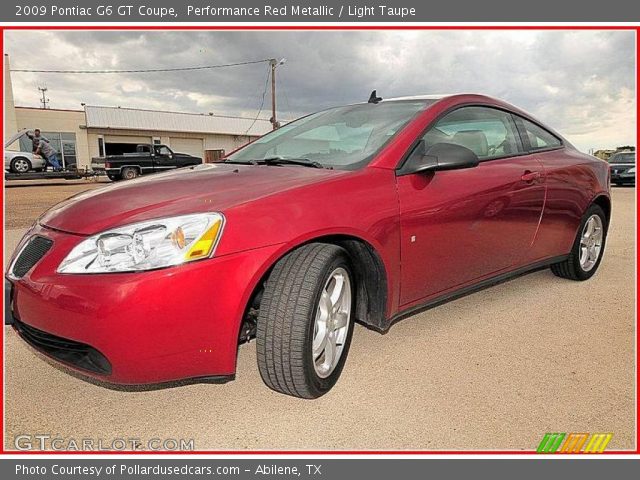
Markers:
point(364, 212)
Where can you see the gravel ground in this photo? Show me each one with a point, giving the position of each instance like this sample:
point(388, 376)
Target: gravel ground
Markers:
point(27, 199)
point(493, 370)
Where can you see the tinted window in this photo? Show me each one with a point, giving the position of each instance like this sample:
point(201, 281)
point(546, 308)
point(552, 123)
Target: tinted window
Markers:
point(539, 138)
point(622, 158)
point(344, 137)
point(489, 133)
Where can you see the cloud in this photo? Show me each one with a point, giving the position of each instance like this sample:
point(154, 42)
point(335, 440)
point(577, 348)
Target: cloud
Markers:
point(579, 82)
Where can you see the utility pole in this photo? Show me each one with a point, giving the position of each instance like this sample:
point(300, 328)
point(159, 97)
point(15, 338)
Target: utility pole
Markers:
point(274, 63)
point(44, 100)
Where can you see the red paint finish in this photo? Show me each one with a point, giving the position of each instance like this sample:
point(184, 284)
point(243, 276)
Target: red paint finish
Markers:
point(434, 233)
point(461, 225)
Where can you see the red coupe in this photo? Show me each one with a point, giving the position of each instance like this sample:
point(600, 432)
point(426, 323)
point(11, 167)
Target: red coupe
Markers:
point(365, 212)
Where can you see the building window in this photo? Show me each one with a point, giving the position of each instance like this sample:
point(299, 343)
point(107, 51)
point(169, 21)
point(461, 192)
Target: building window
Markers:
point(101, 150)
point(157, 140)
point(64, 143)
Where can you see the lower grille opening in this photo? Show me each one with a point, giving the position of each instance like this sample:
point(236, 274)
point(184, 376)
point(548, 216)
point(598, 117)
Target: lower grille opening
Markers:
point(67, 351)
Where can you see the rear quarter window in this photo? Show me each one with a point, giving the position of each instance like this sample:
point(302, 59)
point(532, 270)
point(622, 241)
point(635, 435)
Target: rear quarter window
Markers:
point(538, 137)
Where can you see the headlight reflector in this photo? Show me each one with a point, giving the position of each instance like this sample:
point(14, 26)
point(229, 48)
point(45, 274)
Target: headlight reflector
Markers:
point(147, 245)
point(632, 170)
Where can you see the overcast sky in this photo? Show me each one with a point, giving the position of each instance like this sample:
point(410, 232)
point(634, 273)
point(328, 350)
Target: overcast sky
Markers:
point(581, 83)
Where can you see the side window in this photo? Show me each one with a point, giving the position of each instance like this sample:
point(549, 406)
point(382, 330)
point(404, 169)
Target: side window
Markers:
point(488, 132)
point(538, 137)
point(163, 151)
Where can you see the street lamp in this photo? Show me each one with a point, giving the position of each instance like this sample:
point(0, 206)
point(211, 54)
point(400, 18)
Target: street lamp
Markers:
point(274, 64)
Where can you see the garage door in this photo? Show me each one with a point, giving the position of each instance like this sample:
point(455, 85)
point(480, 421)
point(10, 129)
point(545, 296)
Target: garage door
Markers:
point(192, 146)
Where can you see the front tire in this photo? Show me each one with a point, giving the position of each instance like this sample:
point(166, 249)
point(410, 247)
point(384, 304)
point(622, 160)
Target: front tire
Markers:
point(305, 322)
point(588, 247)
point(20, 165)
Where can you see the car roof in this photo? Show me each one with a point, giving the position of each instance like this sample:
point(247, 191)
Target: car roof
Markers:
point(436, 96)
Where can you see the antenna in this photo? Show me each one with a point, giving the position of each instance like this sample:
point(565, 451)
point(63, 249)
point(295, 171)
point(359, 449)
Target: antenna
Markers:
point(374, 98)
point(44, 100)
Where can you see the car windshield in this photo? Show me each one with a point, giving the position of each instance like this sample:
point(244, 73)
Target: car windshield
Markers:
point(343, 138)
point(623, 158)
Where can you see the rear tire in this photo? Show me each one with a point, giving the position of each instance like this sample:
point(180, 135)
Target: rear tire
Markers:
point(298, 318)
point(579, 266)
point(129, 173)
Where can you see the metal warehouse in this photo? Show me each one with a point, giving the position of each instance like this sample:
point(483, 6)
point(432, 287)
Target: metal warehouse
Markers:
point(96, 131)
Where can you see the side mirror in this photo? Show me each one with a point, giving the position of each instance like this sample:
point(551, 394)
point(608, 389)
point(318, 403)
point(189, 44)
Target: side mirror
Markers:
point(441, 156)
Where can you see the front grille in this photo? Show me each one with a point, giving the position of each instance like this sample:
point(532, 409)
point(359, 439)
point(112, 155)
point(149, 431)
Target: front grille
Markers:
point(619, 170)
point(30, 254)
point(67, 351)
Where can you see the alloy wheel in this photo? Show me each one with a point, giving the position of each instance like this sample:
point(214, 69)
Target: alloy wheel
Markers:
point(21, 165)
point(332, 322)
point(591, 242)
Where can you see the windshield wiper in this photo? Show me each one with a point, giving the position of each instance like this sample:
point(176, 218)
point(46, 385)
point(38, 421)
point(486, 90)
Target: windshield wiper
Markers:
point(242, 162)
point(305, 162)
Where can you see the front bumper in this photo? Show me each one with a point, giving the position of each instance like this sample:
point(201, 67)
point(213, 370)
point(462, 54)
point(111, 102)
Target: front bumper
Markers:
point(146, 327)
point(620, 174)
point(624, 178)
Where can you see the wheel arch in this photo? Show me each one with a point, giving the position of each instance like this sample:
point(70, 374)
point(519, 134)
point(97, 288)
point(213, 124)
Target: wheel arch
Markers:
point(135, 167)
point(604, 202)
point(372, 285)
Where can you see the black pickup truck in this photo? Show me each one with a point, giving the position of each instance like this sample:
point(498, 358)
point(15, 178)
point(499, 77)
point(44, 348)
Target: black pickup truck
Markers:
point(146, 159)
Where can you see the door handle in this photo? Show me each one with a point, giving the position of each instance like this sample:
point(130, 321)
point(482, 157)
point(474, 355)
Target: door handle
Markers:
point(529, 177)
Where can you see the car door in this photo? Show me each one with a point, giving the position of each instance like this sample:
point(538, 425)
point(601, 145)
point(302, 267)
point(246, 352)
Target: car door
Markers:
point(459, 226)
point(164, 158)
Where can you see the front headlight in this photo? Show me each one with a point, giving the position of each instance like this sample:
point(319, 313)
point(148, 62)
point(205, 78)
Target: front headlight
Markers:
point(147, 245)
point(632, 170)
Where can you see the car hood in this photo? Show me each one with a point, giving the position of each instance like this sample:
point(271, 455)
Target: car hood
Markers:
point(15, 137)
point(204, 188)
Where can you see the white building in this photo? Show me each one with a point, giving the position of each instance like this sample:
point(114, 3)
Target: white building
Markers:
point(96, 131)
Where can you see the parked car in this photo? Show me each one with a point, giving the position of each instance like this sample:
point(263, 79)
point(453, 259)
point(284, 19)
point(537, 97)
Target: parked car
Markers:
point(16, 161)
point(366, 212)
point(148, 158)
point(623, 168)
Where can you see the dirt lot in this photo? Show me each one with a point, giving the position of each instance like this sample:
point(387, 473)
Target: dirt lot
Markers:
point(494, 370)
point(26, 200)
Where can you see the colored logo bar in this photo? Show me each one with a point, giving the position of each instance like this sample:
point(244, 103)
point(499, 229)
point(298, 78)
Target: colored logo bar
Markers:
point(574, 443)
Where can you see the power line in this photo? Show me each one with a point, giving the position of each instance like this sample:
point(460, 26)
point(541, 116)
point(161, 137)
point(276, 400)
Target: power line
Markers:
point(264, 94)
point(151, 70)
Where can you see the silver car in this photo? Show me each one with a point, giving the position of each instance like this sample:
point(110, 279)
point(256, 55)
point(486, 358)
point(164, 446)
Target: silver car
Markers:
point(16, 161)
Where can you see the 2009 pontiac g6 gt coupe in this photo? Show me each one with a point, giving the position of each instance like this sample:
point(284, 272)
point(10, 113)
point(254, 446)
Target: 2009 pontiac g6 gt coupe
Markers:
point(365, 212)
